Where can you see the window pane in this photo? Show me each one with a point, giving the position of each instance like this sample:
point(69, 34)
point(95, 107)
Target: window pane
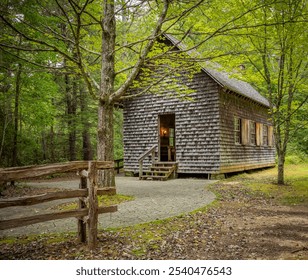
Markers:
point(237, 130)
point(252, 133)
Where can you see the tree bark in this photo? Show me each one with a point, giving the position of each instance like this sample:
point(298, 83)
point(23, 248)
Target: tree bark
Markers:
point(105, 107)
point(281, 161)
point(105, 149)
point(87, 151)
point(16, 116)
point(52, 143)
point(70, 88)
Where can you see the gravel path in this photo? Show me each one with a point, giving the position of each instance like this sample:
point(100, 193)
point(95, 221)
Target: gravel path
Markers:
point(154, 200)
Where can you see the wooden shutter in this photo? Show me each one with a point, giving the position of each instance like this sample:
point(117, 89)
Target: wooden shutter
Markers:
point(259, 134)
point(270, 136)
point(245, 132)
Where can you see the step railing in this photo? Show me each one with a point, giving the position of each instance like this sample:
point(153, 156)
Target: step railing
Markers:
point(151, 152)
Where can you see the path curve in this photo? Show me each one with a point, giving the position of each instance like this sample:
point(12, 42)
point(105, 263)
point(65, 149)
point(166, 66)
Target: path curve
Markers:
point(154, 200)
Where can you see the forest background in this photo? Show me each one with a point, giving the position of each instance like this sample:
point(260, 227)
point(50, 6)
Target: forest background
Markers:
point(50, 66)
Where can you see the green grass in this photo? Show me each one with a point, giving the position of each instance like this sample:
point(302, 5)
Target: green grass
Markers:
point(294, 192)
point(103, 200)
point(106, 200)
point(49, 238)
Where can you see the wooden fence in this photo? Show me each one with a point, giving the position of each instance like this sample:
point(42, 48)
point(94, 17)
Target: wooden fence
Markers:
point(87, 213)
point(118, 164)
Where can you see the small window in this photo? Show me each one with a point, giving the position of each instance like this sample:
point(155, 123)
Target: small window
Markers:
point(265, 135)
point(237, 130)
point(252, 131)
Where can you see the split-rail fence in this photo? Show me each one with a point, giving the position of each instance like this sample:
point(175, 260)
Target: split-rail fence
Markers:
point(88, 209)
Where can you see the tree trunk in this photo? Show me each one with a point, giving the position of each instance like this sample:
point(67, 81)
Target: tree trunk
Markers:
point(71, 116)
point(105, 150)
point(52, 144)
point(16, 117)
point(87, 152)
point(281, 161)
point(44, 145)
point(5, 123)
point(105, 107)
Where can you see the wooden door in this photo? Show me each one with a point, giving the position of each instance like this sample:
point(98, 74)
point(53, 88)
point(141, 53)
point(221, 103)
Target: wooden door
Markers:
point(166, 137)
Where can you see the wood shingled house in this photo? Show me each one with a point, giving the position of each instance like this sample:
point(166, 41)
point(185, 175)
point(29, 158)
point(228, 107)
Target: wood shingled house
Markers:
point(224, 127)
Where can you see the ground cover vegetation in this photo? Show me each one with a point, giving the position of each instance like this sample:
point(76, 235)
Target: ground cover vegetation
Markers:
point(252, 218)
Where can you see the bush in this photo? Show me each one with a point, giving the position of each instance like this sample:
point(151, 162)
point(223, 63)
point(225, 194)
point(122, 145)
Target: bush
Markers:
point(295, 159)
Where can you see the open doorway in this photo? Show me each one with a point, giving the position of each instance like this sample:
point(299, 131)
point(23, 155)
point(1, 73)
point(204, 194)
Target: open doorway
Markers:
point(166, 139)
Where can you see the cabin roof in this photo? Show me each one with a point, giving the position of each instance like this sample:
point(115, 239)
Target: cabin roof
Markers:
point(223, 79)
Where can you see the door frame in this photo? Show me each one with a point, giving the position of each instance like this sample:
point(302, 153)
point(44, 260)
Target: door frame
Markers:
point(164, 131)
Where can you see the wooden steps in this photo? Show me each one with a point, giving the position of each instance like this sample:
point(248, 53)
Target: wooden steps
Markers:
point(160, 171)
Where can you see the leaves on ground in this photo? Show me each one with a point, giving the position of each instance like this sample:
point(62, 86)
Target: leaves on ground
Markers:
point(243, 224)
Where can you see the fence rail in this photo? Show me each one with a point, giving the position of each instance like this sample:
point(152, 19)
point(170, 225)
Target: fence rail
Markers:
point(118, 164)
point(87, 214)
point(33, 171)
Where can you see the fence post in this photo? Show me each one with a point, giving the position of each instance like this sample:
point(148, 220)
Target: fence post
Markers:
point(93, 205)
point(82, 227)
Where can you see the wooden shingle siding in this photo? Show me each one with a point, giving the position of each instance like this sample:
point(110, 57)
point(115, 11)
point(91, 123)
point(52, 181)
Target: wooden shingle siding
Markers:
point(196, 126)
point(236, 157)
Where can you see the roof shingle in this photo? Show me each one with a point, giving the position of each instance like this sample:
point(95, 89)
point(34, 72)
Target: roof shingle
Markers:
point(222, 78)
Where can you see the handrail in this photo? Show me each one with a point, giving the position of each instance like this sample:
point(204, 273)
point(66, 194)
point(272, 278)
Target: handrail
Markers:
point(145, 154)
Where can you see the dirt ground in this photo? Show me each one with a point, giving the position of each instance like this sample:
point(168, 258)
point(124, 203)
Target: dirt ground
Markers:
point(241, 225)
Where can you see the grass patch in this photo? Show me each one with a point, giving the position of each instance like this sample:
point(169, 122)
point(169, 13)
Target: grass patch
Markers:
point(107, 200)
point(8, 240)
point(47, 238)
point(295, 192)
point(103, 200)
point(148, 236)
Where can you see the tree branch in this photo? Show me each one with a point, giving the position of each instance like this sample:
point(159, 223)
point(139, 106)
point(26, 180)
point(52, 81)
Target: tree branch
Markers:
point(39, 42)
point(122, 90)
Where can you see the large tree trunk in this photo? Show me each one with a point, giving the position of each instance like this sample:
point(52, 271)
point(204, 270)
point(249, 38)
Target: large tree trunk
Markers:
point(105, 107)
point(105, 151)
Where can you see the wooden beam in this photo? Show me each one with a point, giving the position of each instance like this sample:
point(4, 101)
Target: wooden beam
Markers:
point(78, 213)
point(107, 209)
point(93, 206)
point(32, 200)
point(81, 225)
point(243, 167)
